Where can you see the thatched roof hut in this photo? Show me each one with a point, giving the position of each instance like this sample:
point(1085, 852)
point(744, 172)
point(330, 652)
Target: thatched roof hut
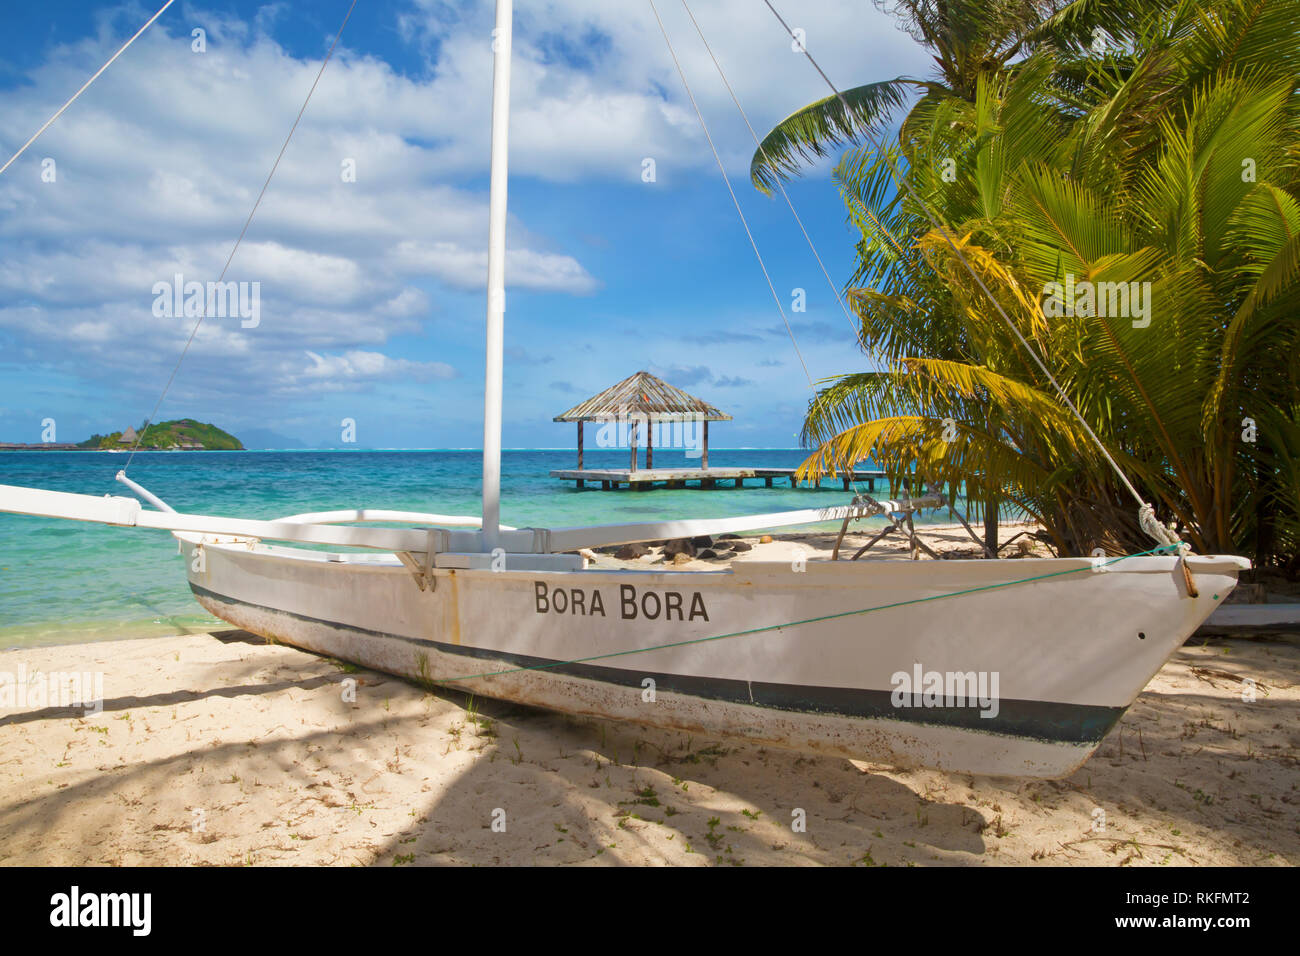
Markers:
point(644, 397)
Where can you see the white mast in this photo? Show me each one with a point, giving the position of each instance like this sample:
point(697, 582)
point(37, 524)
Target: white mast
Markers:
point(496, 284)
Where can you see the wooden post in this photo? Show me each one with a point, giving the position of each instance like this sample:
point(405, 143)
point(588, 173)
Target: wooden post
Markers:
point(579, 446)
point(632, 441)
point(649, 443)
point(704, 459)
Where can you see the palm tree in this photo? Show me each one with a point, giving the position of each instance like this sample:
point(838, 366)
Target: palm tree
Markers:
point(1173, 166)
point(969, 39)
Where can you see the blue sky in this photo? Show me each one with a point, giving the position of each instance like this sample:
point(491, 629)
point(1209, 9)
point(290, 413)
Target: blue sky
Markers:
point(371, 292)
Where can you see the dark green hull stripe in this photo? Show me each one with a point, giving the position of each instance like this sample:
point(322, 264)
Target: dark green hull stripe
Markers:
point(1031, 719)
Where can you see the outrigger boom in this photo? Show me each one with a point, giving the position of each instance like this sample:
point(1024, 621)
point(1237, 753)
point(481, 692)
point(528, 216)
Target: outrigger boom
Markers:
point(429, 538)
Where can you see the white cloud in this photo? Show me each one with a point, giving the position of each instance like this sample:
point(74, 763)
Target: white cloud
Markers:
point(356, 366)
point(157, 165)
point(467, 268)
point(594, 88)
point(159, 162)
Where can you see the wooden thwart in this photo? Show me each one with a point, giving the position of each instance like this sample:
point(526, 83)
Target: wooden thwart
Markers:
point(870, 507)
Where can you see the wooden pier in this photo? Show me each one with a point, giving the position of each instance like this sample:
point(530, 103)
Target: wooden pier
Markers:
point(642, 399)
point(644, 479)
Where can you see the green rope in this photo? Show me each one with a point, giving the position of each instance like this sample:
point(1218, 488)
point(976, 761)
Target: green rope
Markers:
point(812, 620)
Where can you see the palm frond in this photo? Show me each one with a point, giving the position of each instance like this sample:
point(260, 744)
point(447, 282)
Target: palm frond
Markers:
point(810, 133)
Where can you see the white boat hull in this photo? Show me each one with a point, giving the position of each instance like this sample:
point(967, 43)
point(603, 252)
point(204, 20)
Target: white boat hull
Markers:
point(1061, 656)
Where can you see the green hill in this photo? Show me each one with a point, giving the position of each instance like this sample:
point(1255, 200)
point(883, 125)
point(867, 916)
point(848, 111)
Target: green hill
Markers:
point(183, 433)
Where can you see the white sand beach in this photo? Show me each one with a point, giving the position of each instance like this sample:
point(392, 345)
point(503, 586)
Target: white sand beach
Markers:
point(218, 749)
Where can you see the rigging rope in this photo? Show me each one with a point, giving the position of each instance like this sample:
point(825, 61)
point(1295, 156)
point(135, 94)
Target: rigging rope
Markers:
point(853, 326)
point(1146, 513)
point(735, 202)
point(122, 49)
point(704, 126)
point(247, 222)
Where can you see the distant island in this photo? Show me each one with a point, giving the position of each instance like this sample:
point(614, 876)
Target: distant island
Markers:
point(182, 434)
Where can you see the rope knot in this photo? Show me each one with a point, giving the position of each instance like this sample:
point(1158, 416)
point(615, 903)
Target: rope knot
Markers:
point(1161, 533)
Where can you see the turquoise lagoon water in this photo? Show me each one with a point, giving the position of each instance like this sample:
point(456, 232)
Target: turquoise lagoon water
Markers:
point(64, 581)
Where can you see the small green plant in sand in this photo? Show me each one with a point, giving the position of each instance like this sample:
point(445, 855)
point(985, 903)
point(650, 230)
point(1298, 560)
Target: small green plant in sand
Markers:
point(714, 838)
point(453, 732)
point(424, 676)
point(483, 726)
point(645, 796)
